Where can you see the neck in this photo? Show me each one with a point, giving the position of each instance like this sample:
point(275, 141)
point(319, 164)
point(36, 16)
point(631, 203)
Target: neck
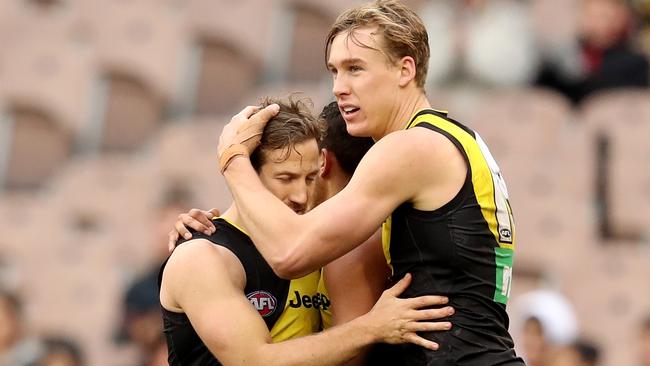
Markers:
point(412, 101)
point(336, 182)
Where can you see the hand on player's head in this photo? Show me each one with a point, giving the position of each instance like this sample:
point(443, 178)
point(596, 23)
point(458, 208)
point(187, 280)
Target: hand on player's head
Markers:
point(243, 134)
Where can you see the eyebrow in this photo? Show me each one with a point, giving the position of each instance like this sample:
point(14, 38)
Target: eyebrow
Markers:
point(293, 175)
point(346, 62)
point(290, 174)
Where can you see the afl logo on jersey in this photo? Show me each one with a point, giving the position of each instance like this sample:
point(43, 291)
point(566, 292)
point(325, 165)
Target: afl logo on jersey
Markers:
point(263, 301)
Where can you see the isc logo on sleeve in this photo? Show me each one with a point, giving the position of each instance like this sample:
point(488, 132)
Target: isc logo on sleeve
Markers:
point(263, 302)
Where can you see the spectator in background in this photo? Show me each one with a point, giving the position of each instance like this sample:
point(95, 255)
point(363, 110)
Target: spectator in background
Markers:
point(534, 344)
point(16, 349)
point(580, 353)
point(60, 351)
point(644, 343)
point(606, 59)
point(549, 324)
point(499, 43)
point(642, 8)
point(141, 324)
point(484, 42)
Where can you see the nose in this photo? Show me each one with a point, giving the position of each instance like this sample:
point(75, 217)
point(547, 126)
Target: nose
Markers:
point(339, 86)
point(299, 196)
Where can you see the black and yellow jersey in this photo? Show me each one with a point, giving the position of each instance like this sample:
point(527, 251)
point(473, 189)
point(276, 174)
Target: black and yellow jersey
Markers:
point(463, 250)
point(325, 303)
point(290, 309)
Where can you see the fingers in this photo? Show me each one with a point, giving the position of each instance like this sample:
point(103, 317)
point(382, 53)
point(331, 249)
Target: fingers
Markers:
point(431, 314)
point(173, 238)
point(400, 286)
point(197, 220)
point(416, 339)
point(247, 112)
point(427, 326)
point(180, 228)
point(265, 114)
point(424, 301)
point(203, 218)
point(250, 132)
point(254, 112)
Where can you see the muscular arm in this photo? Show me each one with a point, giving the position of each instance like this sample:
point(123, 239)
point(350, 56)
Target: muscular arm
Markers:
point(205, 282)
point(392, 172)
point(362, 272)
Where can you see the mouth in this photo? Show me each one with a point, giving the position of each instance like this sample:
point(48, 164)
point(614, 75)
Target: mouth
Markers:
point(349, 111)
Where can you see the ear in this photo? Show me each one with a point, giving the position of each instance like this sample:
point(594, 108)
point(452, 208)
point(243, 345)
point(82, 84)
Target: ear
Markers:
point(407, 70)
point(325, 163)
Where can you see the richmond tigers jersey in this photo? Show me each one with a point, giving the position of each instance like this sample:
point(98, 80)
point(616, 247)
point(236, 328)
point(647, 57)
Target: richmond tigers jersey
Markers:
point(463, 250)
point(287, 307)
point(325, 303)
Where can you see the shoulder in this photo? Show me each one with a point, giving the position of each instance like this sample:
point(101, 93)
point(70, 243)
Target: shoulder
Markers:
point(200, 259)
point(416, 148)
point(198, 275)
point(198, 249)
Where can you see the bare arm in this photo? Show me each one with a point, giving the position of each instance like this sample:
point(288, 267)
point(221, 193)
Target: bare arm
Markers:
point(362, 272)
point(211, 295)
point(298, 244)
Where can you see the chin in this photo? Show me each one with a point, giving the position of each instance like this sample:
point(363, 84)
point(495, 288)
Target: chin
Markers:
point(358, 129)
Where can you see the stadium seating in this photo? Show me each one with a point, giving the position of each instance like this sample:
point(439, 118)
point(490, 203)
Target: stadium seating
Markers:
point(105, 104)
point(622, 119)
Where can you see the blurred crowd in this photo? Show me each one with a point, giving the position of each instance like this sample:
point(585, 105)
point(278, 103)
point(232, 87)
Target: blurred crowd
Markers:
point(19, 347)
point(588, 47)
point(497, 43)
point(551, 336)
point(138, 335)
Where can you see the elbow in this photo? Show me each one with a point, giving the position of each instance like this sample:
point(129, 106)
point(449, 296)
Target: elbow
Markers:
point(289, 265)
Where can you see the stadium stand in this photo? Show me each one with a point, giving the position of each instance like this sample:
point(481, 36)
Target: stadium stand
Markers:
point(103, 105)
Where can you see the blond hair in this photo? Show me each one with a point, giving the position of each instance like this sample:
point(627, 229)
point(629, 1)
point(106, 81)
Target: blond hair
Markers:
point(403, 32)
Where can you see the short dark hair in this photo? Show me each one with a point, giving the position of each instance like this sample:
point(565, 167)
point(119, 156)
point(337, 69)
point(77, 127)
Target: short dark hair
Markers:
point(294, 124)
point(589, 351)
point(349, 150)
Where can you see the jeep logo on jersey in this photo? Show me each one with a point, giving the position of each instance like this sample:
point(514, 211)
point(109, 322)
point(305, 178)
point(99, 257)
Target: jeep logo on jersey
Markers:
point(318, 301)
point(263, 301)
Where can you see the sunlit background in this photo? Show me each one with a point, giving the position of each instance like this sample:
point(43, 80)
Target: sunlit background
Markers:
point(110, 111)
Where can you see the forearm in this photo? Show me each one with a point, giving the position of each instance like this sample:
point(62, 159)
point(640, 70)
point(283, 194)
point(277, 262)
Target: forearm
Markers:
point(334, 346)
point(295, 245)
